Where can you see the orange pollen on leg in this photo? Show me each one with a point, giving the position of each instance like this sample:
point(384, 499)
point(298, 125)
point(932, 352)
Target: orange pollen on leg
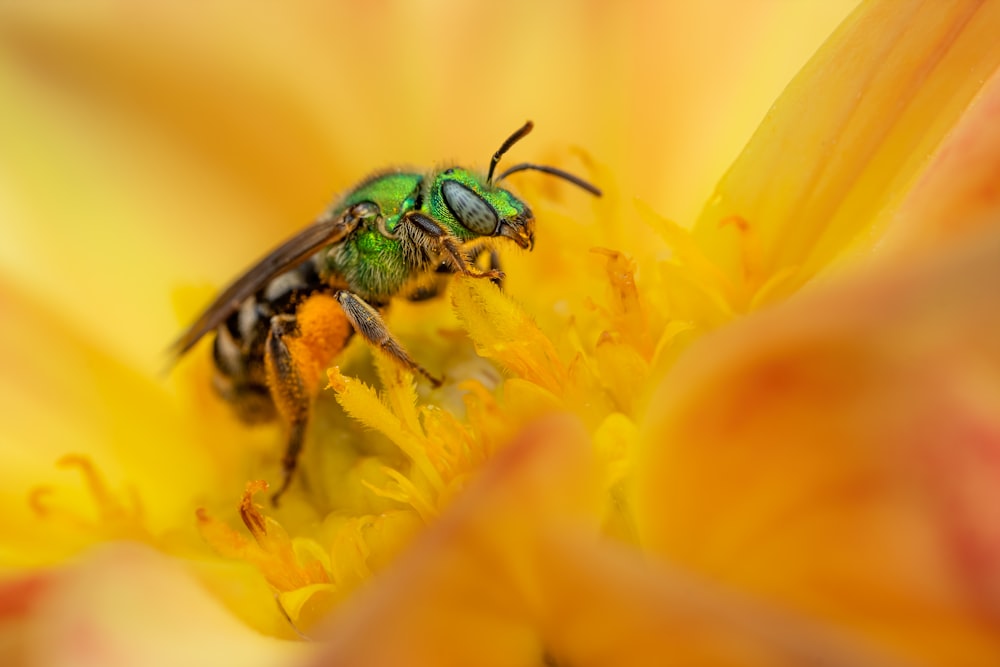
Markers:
point(323, 332)
point(320, 333)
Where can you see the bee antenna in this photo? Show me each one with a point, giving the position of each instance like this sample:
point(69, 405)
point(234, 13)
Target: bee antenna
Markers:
point(566, 176)
point(505, 146)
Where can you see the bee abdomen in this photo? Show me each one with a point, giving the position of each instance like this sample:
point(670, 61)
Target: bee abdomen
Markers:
point(251, 401)
point(238, 349)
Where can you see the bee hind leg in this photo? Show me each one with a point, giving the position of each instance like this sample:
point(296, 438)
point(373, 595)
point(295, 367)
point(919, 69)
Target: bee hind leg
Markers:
point(298, 350)
point(291, 395)
point(370, 325)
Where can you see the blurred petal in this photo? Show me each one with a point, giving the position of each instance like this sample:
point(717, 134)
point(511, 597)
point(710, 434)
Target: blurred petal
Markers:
point(126, 605)
point(610, 606)
point(468, 592)
point(183, 139)
point(845, 141)
point(182, 136)
point(511, 573)
point(839, 453)
point(960, 191)
point(61, 394)
point(112, 170)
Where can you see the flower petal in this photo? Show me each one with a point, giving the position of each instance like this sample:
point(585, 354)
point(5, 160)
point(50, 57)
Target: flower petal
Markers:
point(55, 395)
point(467, 593)
point(126, 605)
point(511, 573)
point(959, 191)
point(611, 606)
point(839, 454)
point(846, 139)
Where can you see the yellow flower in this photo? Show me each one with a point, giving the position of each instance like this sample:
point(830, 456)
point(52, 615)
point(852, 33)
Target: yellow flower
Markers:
point(781, 433)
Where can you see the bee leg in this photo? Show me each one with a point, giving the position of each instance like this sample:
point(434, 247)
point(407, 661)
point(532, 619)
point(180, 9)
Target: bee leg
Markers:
point(478, 251)
point(367, 322)
point(297, 352)
point(494, 264)
point(434, 289)
point(291, 396)
point(448, 245)
point(427, 292)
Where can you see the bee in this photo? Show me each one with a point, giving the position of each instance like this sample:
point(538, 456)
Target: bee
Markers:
point(280, 324)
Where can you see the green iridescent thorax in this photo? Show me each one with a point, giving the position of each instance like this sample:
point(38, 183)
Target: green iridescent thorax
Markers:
point(506, 205)
point(379, 259)
point(393, 193)
point(373, 264)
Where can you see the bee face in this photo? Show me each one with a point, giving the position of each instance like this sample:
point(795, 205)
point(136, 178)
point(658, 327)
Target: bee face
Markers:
point(520, 228)
point(475, 210)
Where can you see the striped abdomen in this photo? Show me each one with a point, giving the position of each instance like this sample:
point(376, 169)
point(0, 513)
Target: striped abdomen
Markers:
point(239, 345)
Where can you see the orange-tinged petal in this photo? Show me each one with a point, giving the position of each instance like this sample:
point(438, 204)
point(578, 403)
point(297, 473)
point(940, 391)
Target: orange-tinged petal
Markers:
point(609, 605)
point(846, 139)
point(126, 605)
point(462, 595)
point(272, 550)
point(960, 190)
point(547, 589)
point(838, 454)
point(18, 597)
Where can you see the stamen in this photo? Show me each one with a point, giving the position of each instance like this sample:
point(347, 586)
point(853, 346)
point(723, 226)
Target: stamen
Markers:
point(250, 512)
point(116, 517)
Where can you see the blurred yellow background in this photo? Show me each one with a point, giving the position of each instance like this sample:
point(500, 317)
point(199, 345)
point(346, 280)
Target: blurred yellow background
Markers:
point(149, 146)
point(149, 151)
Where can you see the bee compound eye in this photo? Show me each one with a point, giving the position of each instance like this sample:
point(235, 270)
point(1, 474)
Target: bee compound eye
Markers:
point(470, 209)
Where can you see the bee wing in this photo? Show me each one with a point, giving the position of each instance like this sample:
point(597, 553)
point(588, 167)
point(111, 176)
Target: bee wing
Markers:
point(292, 252)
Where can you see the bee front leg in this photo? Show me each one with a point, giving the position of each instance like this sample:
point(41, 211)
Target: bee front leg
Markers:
point(370, 325)
point(434, 289)
point(494, 263)
point(432, 233)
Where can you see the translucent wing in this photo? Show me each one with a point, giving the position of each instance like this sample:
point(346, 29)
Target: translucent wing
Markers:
point(289, 254)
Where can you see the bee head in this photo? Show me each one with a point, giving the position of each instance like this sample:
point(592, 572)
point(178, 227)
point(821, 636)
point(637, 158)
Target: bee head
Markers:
point(475, 208)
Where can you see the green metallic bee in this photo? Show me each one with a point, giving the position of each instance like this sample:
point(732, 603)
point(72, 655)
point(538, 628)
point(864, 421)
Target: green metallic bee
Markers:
point(397, 234)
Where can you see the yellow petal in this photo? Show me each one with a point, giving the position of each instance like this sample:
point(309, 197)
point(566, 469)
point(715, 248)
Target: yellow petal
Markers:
point(502, 331)
point(838, 455)
point(62, 394)
point(846, 140)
